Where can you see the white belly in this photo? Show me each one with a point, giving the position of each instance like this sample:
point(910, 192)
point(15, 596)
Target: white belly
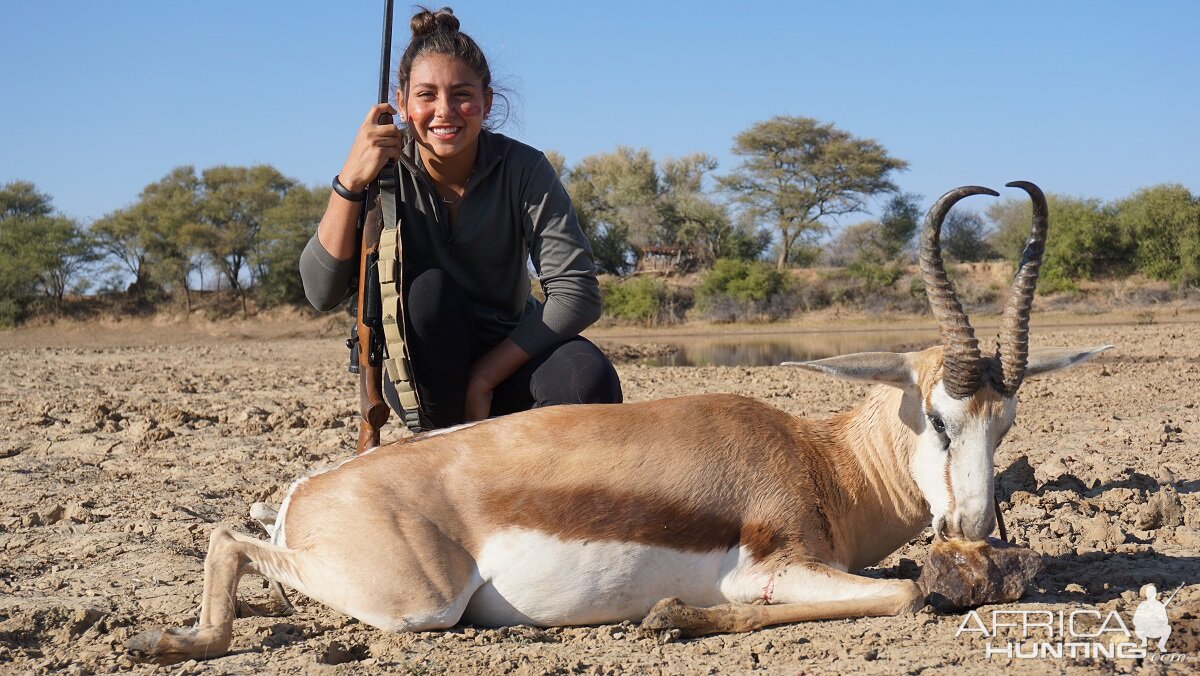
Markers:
point(534, 578)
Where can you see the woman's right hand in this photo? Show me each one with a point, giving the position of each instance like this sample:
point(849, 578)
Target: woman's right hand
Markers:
point(374, 145)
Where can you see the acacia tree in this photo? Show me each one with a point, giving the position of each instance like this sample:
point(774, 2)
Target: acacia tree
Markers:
point(40, 251)
point(22, 209)
point(898, 224)
point(66, 250)
point(150, 238)
point(616, 196)
point(286, 230)
point(171, 206)
point(118, 234)
point(233, 202)
point(797, 171)
point(964, 237)
point(878, 242)
point(692, 218)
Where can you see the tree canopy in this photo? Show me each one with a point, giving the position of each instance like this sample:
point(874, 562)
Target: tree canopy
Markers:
point(796, 172)
point(41, 252)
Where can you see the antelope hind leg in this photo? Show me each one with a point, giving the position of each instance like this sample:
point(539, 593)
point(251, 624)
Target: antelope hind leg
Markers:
point(230, 555)
point(796, 595)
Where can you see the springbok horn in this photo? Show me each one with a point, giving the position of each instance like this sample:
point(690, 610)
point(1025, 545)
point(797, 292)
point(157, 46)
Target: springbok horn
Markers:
point(960, 363)
point(1013, 345)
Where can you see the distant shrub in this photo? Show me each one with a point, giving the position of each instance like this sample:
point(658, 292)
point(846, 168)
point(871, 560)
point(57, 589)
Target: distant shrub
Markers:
point(738, 290)
point(743, 280)
point(1162, 224)
point(640, 299)
point(1053, 280)
point(875, 277)
point(12, 311)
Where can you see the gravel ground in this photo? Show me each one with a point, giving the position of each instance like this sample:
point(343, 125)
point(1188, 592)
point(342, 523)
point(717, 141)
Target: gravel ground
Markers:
point(122, 446)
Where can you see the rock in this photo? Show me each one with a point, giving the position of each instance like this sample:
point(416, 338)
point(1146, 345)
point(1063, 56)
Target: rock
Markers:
point(84, 618)
point(1053, 473)
point(252, 413)
point(960, 575)
point(51, 515)
point(340, 653)
point(1187, 537)
point(77, 512)
point(1102, 532)
point(1163, 509)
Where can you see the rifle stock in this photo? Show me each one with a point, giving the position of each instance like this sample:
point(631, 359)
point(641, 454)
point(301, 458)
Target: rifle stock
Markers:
point(373, 409)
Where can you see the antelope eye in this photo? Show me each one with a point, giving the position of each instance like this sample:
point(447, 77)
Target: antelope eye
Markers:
point(938, 425)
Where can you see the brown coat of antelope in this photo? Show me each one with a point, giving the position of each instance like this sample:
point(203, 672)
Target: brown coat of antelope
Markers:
point(709, 513)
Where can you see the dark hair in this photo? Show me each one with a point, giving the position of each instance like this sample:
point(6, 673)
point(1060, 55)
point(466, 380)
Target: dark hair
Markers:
point(438, 33)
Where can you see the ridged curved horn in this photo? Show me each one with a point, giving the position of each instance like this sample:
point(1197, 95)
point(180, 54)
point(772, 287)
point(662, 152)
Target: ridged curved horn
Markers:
point(1013, 347)
point(960, 364)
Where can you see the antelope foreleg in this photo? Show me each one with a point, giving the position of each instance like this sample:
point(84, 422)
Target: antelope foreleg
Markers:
point(798, 595)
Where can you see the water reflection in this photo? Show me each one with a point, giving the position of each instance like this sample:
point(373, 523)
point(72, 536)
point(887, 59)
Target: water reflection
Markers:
point(771, 349)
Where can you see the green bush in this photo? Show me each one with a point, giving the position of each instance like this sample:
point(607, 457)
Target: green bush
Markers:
point(875, 277)
point(1054, 281)
point(1162, 225)
point(640, 299)
point(738, 290)
point(1083, 241)
point(743, 280)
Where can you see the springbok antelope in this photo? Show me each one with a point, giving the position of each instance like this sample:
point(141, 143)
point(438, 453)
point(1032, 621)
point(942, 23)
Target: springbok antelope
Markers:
point(707, 513)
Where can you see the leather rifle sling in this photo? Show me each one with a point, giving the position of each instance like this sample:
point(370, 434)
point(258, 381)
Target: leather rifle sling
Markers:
point(391, 288)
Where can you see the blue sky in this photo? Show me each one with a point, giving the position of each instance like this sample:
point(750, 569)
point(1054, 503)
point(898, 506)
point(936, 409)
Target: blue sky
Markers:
point(1087, 98)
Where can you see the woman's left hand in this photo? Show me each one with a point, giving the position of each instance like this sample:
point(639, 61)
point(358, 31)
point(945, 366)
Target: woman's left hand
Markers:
point(487, 373)
point(479, 401)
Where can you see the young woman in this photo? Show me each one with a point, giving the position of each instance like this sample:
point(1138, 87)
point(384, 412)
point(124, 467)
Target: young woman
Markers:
point(474, 206)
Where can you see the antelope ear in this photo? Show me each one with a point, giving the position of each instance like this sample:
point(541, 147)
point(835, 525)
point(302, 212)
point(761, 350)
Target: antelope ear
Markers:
point(884, 368)
point(1047, 359)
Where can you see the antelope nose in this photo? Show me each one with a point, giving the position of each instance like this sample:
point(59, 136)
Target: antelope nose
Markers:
point(974, 527)
point(954, 526)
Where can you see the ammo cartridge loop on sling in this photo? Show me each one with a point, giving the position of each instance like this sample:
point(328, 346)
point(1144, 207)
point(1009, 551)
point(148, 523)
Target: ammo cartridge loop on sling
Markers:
point(391, 253)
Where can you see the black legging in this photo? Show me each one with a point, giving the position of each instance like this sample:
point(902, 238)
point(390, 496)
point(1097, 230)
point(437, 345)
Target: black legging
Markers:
point(443, 343)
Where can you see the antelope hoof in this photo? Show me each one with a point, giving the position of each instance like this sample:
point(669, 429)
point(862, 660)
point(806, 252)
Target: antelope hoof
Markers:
point(283, 606)
point(914, 600)
point(675, 614)
point(160, 645)
point(664, 614)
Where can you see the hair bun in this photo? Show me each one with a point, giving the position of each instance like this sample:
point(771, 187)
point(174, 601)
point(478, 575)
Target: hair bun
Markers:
point(427, 22)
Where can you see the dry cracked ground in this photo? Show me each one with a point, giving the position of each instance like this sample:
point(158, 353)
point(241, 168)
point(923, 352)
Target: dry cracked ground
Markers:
point(121, 446)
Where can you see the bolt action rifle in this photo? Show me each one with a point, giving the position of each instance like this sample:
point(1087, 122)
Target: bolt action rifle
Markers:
point(368, 347)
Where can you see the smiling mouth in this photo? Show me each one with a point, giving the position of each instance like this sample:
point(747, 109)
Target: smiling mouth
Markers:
point(445, 132)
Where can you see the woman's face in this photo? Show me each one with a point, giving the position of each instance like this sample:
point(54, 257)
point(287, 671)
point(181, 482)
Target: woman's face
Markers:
point(445, 106)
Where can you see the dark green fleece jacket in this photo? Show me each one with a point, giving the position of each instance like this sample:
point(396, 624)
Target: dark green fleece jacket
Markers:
point(514, 210)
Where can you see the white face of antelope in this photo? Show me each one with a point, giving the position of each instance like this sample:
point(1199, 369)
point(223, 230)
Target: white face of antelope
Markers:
point(954, 460)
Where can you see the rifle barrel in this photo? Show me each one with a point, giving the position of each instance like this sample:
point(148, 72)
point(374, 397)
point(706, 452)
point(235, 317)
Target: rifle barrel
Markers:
point(385, 58)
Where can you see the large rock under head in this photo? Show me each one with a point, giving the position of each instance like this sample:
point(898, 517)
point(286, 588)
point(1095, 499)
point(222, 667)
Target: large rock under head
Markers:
point(960, 575)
